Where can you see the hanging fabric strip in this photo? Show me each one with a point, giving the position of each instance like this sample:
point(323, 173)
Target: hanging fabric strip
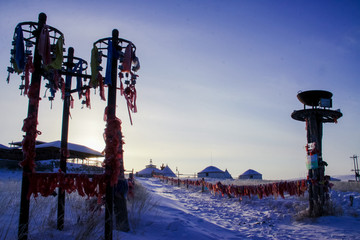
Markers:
point(56, 80)
point(87, 98)
point(130, 96)
point(29, 68)
point(71, 102)
point(101, 86)
point(62, 88)
point(127, 59)
point(94, 64)
point(19, 49)
point(44, 45)
point(121, 84)
point(109, 64)
point(59, 56)
point(78, 69)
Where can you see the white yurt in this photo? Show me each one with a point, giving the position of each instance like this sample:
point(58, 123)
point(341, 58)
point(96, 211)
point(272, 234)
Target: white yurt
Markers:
point(148, 171)
point(251, 174)
point(213, 172)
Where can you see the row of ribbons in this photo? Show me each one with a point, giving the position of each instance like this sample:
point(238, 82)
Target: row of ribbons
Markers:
point(45, 184)
point(276, 189)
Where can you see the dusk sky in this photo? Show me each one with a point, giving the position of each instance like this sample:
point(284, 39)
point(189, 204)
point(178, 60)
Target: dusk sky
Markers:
point(217, 84)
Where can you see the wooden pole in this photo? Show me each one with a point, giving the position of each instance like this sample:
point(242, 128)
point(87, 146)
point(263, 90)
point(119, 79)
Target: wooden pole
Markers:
point(316, 190)
point(121, 213)
point(30, 137)
point(111, 114)
point(64, 138)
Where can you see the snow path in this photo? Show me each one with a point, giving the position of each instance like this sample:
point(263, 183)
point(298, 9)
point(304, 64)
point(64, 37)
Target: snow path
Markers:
point(187, 213)
point(179, 213)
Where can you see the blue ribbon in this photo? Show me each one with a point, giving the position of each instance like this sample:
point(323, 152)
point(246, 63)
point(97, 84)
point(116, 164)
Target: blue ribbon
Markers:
point(20, 49)
point(111, 53)
point(78, 69)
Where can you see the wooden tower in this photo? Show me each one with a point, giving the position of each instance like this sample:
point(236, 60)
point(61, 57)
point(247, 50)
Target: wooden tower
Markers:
point(319, 111)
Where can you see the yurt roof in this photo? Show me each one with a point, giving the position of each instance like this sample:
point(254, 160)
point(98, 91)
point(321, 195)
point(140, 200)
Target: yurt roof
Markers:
point(168, 172)
point(79, 151)
point(227, 174)
point(3, 147)
point(211, 169)
point(148, 171)
point(251, 172)
point(51, 150)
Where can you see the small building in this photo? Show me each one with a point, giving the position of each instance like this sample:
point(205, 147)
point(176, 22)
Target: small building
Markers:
point(214, 172)
point(49, 151)
point(151, 169)
point(250, 174)
point(148, 171)
point(167, 172)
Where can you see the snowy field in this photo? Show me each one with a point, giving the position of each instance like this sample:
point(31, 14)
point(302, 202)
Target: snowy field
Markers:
point(162, 211)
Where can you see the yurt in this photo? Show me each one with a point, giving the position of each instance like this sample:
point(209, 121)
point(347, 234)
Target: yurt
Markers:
point(167, 172)
point(214, 172)
point(250, 174)
point(148, 171)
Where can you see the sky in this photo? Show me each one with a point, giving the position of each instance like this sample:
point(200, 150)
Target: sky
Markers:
point(217, 84)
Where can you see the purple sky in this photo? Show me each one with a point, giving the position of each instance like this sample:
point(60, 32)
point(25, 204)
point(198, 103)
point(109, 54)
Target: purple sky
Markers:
point(218, 80)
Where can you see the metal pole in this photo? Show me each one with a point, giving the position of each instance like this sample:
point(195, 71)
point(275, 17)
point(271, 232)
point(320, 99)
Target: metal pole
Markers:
point(111, 114)
point(357, 169)
point(64, 138)
point(32, 113)
point(353, 157)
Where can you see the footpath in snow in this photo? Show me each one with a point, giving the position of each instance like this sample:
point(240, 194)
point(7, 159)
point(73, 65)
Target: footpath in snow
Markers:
point(181, 213)
point(172, 212)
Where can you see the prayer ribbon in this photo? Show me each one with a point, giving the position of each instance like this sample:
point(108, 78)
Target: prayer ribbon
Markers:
point(19, 50)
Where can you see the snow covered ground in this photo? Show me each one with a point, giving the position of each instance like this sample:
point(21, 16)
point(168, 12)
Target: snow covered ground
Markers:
point(170, 212)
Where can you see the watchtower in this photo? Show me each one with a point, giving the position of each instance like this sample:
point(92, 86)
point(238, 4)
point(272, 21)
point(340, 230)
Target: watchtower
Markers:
point(319, 111)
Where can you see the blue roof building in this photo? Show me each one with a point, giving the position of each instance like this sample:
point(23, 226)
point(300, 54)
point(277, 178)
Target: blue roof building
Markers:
point(250, 174)
point(214, 172)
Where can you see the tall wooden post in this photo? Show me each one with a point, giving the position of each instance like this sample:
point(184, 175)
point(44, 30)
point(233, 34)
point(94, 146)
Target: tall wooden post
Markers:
point(111, 114)
point(316, 191)
point(30, 136)
point(121, 213)
point(64, 138)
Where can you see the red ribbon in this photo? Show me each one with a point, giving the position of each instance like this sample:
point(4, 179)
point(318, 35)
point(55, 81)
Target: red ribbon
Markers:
point(113, 154)
point(279, 188)
point(101, 86)
point(29, 127)
point(44, 47)
point(45, 184)
point(29, 68)
point(127, 59)
point(87, 98)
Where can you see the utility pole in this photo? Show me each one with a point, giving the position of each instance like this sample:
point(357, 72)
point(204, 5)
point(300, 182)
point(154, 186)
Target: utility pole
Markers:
point(356, 168)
